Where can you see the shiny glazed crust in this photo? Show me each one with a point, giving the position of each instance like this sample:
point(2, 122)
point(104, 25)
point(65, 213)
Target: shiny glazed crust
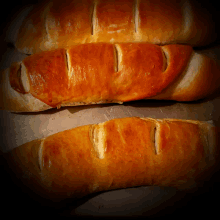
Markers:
point(119, 153)
point(108, 73)
point(54, 24)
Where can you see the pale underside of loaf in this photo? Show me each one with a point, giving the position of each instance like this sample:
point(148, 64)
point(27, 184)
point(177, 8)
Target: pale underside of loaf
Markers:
point(119, 153)
point(54, 24)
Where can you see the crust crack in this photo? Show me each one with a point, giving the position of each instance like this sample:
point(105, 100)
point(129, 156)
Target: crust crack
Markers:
point(116, 67)
point(136, 15)
point(97, 136)
point(117, 58)
point(40, 155)
point(93, 15)
point(67, 61)
point(155, 141)
point(18, 79)
point(46, 27)
point(155, 133)
point(165, 59)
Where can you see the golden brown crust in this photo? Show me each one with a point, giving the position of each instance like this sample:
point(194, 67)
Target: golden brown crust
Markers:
point(129, 152)
point(200, 79)
point(136, 152)
point(14, 101)
point(91, 70)
point(48, 76)
point(54, 24)
point(32, 34)
point(94, 73)
point(145, 71)
point(114, 21)
point(108, 73)
point(61, 162)
point(179, 142)
point(160, 22)
point(68, 23)
point(24, 165)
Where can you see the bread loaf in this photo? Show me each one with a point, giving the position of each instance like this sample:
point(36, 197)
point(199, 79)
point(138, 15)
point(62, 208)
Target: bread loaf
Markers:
point(55, 24)
point(104, 73)
point(115, 154)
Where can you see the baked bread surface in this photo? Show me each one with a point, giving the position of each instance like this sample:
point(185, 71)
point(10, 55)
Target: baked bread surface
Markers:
point(119, 153)
point(54, 24)
point(108, 73)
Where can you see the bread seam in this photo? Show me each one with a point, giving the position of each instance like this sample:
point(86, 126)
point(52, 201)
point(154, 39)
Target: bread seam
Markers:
point(68, 63)
point(166, 58)
point(156, 139)
point(136, 16)
point(93, 11)
point(98, 137)
point(94, 19)
point(40, 154)
point(116, 63)
point(156, 133)
point(24, 78)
